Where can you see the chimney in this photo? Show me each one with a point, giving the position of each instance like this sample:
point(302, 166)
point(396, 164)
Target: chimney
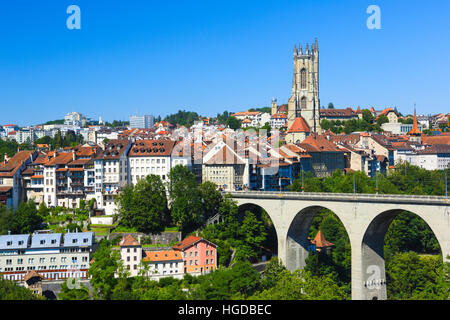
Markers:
point(9, 233)
point(6, 159)
point(73, 155)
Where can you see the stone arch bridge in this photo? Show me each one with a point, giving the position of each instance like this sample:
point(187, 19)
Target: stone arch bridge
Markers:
point(366, 218)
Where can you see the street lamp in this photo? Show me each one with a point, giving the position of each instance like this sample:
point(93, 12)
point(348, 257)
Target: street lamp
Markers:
point(303, 185)
point(376, 181)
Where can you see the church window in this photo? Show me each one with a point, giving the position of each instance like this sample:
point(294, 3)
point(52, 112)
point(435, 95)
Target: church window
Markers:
point(303, 103)
point(303, 79)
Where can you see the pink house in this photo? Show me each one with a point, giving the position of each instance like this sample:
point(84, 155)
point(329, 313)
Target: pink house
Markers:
point(199, 255)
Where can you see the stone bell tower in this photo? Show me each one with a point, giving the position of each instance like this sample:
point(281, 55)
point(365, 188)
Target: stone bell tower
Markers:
point(304, 101)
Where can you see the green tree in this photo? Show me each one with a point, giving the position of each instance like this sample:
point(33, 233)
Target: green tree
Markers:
point(302, 285)
point(234, 123)
point(211, 198)
point(331, 105)
point(144, 206)
point(9, 290)
point(107, 263)
point(43, 211)
point(6, 220)
point(367, 116)
point(410, 276)
point(81, 293)
point(240, 281)
point(186, 197)
point(253, 235)
point(26, 218)
point(272, 273)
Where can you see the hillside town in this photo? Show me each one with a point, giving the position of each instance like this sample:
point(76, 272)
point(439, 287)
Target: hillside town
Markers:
point(81, 169)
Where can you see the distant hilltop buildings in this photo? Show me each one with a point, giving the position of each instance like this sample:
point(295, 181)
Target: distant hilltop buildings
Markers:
point(142, 122)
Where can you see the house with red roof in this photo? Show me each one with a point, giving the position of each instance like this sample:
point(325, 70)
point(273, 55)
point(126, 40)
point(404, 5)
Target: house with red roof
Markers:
point(199, 255)
point(298, 131)
point(326, 157)
point(11, 191)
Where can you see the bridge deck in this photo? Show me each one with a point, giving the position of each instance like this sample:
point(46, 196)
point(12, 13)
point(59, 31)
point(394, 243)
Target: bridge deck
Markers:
point(348, 197)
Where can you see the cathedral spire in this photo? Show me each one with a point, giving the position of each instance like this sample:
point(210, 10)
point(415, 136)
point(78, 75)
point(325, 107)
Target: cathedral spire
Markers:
point(316, 46)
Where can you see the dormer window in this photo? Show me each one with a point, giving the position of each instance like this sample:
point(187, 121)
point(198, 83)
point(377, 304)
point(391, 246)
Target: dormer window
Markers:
point(53, 241)
point(42, 242)
point(9, 243)
point(74, 240)
point(85, 240)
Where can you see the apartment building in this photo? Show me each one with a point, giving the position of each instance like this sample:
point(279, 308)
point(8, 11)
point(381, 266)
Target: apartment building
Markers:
point(224, 167)
point(111, 173)
point(150, 157)
point(54, 255)
point(164, 263)
point(11, 178)
point(278, 120)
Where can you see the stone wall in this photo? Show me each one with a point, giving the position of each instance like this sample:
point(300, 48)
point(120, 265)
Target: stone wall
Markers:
point(160, 238)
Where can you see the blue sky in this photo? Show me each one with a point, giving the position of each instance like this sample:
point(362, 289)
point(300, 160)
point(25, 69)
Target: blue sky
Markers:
point(208, 56)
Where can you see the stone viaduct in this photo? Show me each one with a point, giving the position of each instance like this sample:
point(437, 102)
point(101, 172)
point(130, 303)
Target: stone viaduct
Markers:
point(366, 217)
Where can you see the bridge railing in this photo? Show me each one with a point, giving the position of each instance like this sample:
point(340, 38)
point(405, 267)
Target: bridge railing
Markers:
point(343, 196)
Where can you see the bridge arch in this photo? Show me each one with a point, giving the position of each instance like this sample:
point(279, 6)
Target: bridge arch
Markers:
point(297, 241)
point(374, 285)
point(271, 242)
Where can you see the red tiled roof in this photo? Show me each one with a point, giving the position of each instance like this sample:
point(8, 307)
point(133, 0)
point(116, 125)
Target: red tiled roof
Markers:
point(14, 164)
point(148, 148)
point(156, 256)
point(348, 112)
point(320, 241)
point(189, 241)
point(128, 241)
point(440, 139)
point(60, 159)
point(317, 143)
point(299, 125)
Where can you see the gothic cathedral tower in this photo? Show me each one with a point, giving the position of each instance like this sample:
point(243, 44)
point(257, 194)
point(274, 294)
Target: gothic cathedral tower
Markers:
point(304, 101)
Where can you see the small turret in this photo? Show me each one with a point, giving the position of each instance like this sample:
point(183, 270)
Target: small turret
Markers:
point(295, 50)
point(274, 106)
point(300, 50)
point(307, 48)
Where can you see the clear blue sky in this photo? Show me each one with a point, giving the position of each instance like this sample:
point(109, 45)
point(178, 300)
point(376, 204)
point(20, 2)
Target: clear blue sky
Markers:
point(208, 56)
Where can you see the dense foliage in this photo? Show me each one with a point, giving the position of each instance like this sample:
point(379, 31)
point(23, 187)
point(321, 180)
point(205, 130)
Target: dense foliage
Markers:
point(234, 123)
point(403, 179)
point(25, 219)
point(144, 206)
point(70, 139)
point(11, 148)
point(241, 281)
point(9, 290)
point(183, 118)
